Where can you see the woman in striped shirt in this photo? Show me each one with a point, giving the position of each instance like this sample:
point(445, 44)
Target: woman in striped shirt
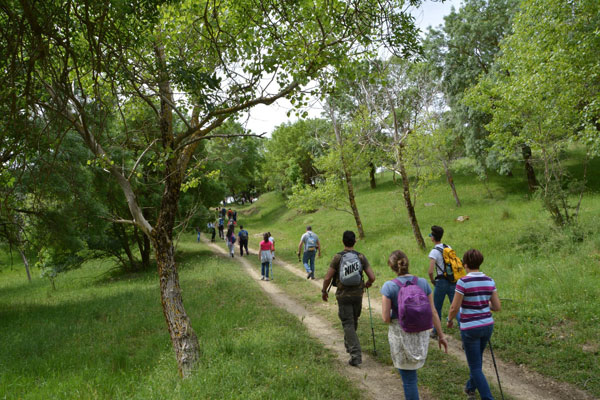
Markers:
point(476, 297)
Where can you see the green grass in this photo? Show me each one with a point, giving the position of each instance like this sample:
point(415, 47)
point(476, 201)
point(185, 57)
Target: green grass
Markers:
point(547, 277)
point(104, 337)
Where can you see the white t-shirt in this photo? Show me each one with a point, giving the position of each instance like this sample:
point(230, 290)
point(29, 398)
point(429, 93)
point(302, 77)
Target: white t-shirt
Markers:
point(439, 258)
point(304, 239)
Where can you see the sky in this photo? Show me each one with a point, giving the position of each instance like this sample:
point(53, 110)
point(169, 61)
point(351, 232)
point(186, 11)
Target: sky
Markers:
point(264, 119)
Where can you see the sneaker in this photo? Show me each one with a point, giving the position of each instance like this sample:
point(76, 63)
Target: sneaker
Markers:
point(308, 276)
point(471, 395)
point(267, 279)
point(262, 278)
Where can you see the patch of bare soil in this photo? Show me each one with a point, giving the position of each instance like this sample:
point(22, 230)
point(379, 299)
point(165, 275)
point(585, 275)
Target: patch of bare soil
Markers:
point(383, 382)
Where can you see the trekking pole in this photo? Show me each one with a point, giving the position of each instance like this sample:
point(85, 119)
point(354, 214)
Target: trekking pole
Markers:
point(371, 319)
point(496, 368)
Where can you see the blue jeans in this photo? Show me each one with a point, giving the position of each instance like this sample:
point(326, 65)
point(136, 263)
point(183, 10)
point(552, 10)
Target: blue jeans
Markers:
point(264, 269)
point(474, 341)
point(409, 382)
point(308, 259)
point(442, 289)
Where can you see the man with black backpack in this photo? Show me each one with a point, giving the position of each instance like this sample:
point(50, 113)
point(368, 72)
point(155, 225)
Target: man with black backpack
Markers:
point(311, 244)
point(440, 274)
point(243, 234)
point(346, 270)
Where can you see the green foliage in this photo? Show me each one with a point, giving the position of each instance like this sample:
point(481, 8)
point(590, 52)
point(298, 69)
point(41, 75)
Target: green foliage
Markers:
point(542, 90)
point(291, 152)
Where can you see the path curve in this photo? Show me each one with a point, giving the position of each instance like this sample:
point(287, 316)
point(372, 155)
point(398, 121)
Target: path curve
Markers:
point(376, 381)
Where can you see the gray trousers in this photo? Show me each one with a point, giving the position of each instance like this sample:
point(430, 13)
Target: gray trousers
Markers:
point(349, 309)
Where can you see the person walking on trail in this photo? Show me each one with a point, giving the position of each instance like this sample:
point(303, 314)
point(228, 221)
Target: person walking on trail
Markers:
point(230, 214)
point(243, 235)
point(311, 244)
point(408, 348)
point(235, 216)
point(272, 240)
point(265, 256)
point(212, 230)
point(231, 239)
point(476, 297)
point(346, 270)
point(198, 236)
point(442, 286)
point(223, 212)
point(221, 224)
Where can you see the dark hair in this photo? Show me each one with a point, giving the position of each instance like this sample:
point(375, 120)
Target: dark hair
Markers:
point(309, 228)
point(473, 258)
point(266, 237)
point(241, 226)
point(437, 232)
point(230, 229)
point(398, 262)
point(269, 233)
point(349, 238)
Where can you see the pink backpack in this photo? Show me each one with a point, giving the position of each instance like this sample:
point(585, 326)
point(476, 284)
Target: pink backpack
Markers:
point(414, 309)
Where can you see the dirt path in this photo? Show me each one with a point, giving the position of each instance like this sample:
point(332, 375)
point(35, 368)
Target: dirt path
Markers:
point(517, 381)
point(376, 381)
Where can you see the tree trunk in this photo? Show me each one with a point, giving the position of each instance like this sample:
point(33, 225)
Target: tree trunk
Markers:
point(412, 216)
point(347, 174)
point(351, 198)
point(372, 175)
point(26, 262)
point(451, 182)
point(122, 235)
point(183, 337)
point(532, 182)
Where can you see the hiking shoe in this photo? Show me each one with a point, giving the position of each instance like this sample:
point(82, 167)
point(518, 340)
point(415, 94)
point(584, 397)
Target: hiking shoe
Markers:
point(471, 395)
point(354, 362)
point(308, 276)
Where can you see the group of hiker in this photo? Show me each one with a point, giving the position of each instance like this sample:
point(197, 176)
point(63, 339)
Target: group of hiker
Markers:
point(412, 308)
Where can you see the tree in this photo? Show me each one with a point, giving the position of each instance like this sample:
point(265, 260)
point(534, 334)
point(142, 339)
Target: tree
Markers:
point(90, 58)
point(465, 49)
point(291, 152)
point(545, 92)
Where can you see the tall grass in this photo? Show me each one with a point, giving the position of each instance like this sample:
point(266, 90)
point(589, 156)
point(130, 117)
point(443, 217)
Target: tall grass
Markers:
point(546, 276)
point(103, 336)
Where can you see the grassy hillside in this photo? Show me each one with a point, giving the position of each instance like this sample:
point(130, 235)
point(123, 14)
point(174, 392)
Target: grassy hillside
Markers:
point(100, 336)
point(546, 277)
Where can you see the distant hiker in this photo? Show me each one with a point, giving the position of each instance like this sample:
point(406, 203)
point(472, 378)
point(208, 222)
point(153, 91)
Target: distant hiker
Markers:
point(230, 214)
point(212, 231)
point(311, 244)
point(408, 333)
point(272, 240)
point(198, 232)
point(230, 239)
point(346, 270)
point(442, 286)
point(223, 212)
point(221, 224)
point(265, 256)
point(476, 297)
point(234, 216)
point(243, 235)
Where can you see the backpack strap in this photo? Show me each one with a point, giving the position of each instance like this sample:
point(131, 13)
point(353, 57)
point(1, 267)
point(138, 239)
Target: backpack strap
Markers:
point(437, 267)
point(415, 280)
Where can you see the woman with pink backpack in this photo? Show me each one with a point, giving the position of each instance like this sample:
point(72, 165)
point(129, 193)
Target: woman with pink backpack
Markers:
point(407, 306)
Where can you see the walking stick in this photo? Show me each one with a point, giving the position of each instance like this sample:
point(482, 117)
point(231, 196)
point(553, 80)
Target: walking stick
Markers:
point(371, 319)
point(496, 368)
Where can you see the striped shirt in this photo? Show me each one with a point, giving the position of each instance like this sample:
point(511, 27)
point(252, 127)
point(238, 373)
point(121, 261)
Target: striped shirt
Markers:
point(477, 289)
